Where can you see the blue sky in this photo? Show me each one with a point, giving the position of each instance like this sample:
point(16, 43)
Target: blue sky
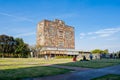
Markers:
point(96, 22)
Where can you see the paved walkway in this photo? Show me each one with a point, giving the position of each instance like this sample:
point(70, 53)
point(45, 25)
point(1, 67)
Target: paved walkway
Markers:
point(79, 74)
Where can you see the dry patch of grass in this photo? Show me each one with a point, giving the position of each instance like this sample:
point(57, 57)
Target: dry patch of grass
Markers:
point(18, 68)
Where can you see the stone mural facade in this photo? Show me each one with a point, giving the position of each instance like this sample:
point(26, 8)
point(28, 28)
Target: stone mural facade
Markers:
point(55, 34)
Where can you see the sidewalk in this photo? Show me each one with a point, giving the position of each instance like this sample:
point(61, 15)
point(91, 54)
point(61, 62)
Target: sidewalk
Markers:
point(81, 73)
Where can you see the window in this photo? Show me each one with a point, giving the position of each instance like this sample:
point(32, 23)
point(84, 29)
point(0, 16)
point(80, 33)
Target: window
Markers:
point(61, 44)
point(60, 34)
point(68, 34)
point(52, 31)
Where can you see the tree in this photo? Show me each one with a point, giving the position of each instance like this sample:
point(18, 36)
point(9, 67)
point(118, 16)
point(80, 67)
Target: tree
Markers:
point(106, 51)
point(97, 51)
point(6, 44)
point(32, 50)
point(100, 51)
point(10, 46)
point(21, 47)
point(38, 48)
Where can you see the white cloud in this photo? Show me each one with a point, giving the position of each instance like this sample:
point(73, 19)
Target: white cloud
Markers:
point(82, 34)
point(104, 33)
point(90, 33)
point(81, 37)
point(16, 17)
point(25, 34)
point(93, 37)
point(107, 32)
point(110, 39)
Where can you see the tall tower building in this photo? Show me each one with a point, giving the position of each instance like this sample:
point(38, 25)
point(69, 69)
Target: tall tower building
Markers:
point(55, 35)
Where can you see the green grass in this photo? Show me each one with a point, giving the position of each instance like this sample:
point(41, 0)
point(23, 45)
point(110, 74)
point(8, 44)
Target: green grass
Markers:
point(12, 63)
point(29, 72)
point(19, 68)
point(94, 63)
point(108, 77)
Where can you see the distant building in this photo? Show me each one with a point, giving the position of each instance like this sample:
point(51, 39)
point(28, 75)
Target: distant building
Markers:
point(55, 37)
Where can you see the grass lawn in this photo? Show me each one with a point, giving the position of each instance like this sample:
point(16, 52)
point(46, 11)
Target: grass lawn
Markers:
point(18, 68)
point(108, 77)
point(94, 63)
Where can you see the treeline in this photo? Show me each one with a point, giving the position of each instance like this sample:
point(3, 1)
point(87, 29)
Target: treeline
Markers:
point(13, 47)
point(105, 53)
point(100, 51)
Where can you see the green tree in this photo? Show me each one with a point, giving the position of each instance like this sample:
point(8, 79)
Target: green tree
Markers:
point(100, 51)
point(106, 51)
point(6, 44)
point(11, 47)
point(21, 47)
point(97, 51)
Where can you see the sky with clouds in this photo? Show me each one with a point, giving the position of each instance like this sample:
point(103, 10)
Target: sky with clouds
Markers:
point(96, 22)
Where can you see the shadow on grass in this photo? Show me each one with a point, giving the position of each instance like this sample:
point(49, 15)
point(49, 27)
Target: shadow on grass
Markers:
point(30, 72)
point(34, 70)
point(108, 77)
point(93, 63)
